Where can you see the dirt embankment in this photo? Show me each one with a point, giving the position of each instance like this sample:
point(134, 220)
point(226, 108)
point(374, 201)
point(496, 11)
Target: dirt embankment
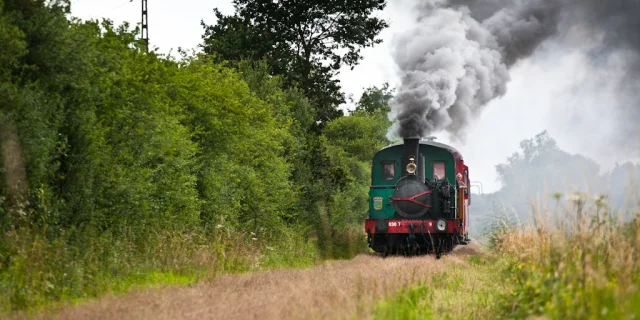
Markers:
point(337, 290)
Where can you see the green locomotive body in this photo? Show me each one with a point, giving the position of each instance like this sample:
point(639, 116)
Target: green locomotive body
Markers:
point(418, 198)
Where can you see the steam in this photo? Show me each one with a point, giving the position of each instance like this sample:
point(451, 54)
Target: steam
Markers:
point(458, 55)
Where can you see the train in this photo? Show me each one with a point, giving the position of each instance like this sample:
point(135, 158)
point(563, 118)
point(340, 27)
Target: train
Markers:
point(418, 198)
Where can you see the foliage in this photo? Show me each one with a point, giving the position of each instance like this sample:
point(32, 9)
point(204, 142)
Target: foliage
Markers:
point(121, 167)
point(352, 140)
point(541, 173)
point(584, 266)
point(243, 176)
point(43, 271)
point(374, 99)
point(305, 41)
point(299, 46)
point(408, 304)
point(542, 163)
point(360, 135)
point(467, 291)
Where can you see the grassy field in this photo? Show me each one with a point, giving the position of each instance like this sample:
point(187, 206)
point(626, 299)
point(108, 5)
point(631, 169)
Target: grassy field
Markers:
point(471, 291)
point(466, 291)
point(339, 289)
point(577, 262)
point(44, 275)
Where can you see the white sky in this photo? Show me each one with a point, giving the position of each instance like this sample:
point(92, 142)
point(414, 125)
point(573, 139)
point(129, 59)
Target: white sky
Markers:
point(529, 107)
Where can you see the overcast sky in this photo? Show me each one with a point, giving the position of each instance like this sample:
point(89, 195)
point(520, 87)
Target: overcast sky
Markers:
point(535, 99)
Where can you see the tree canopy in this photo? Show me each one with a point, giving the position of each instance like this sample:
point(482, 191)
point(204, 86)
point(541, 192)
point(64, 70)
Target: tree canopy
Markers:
point(375, 99)
point(541, 163)
point(114, 161)
point(305, 41)
point(542, 171)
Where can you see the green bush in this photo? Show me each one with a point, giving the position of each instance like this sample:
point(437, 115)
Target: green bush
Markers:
point(121, 167)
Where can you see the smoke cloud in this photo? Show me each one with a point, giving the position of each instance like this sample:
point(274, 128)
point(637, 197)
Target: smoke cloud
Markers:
point(457, 57)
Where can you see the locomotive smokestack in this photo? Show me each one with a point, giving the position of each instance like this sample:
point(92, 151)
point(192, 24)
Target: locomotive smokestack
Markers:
point(411, 150)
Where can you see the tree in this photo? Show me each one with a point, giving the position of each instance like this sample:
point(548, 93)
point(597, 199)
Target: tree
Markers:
point(306, 41)
point(543, 164)
point(374, 99)
point(541, 170)
point(359, 135)
point(363, 132)
point(235, 39)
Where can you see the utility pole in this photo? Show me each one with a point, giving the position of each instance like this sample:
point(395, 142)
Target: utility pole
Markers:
point(145, 24)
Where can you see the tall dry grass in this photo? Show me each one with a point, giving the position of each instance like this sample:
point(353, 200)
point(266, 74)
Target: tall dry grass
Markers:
point(42, 272)
point(575, 260)
point(341, 289)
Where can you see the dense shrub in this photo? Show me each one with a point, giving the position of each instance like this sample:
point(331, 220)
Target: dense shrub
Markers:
point(121, 166)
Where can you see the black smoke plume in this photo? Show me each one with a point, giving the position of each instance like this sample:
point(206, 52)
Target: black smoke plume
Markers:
point(457, 57)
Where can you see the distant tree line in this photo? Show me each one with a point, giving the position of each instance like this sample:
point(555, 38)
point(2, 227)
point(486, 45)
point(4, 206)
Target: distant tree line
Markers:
point(541, 175)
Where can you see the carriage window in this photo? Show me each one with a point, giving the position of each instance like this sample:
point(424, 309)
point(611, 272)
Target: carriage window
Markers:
point(438, 170)
point(388, 171)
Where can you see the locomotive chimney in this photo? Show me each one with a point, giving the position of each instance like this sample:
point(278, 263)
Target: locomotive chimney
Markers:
point(411, 150)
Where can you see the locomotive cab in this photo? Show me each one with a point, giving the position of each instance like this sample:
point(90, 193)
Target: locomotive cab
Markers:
point(414, 201)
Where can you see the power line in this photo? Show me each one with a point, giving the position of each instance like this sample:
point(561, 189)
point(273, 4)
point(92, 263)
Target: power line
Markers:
point(102, 14)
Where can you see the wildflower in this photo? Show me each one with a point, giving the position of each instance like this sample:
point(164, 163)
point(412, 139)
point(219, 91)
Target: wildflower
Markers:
point(574, 197)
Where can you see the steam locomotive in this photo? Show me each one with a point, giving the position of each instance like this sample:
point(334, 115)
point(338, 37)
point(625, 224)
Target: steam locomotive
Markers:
point(418, 198)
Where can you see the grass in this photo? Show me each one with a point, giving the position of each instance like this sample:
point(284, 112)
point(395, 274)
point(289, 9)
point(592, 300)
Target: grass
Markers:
point(464, 291)
point(118, 286)
point(42, 274)
point(580, 262)
point(575, 261)
point(39, 272)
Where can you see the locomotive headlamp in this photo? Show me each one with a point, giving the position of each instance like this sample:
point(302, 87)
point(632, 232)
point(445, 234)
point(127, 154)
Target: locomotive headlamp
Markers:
point(441, 225)
point(411, 167)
